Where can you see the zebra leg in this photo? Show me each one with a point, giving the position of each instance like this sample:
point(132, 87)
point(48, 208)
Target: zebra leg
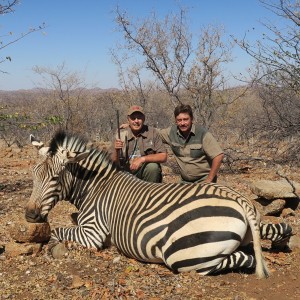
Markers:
point(235, 260)
point(279, 234)
point(83, 235)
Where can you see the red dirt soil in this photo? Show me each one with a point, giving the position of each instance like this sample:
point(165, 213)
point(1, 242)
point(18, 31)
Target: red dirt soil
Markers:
point(107, 274)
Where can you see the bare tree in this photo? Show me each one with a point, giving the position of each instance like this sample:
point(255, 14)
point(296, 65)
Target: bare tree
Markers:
point(65, 94)
point(277, 77)
point(205, 81)
point(8, 6)
point(12, 121)
point(8, 39)
point(131, 81)
point(164, 47)
point(277, 53)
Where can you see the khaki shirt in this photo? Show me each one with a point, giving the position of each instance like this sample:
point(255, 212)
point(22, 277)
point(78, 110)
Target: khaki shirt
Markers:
point(149, 142)
point(194, 154)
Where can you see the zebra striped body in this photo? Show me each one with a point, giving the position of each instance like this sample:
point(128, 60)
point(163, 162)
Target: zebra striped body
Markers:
point(279, 234)
point(187, 227)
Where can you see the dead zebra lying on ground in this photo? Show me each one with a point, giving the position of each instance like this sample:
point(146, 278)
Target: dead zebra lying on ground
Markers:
point(188, 227)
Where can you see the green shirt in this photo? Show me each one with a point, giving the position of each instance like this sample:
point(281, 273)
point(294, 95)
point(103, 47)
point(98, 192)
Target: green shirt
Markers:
point(194, 154)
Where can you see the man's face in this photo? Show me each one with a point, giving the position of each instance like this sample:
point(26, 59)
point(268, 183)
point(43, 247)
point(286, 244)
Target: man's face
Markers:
point(184, 122)
point(136, 121)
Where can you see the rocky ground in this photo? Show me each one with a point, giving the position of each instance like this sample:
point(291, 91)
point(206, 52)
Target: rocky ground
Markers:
point(85, 274)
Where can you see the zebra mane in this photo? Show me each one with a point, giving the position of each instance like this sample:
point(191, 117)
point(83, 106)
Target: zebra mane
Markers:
point(67, 140)
point(76, 143)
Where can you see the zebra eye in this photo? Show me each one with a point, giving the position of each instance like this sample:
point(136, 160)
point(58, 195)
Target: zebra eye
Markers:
point(55, 177)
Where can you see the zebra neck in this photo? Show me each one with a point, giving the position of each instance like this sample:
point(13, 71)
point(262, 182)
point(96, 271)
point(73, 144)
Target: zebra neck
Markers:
point(89, 177)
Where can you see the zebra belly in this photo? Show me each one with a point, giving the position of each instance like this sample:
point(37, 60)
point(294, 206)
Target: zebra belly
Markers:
point(198, 244)
point(201, 257)
point(183, 234)
point(203, 244)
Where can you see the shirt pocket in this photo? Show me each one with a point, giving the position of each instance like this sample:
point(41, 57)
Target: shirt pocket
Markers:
point(176, 150)
point(196, 151)
point(149, 147)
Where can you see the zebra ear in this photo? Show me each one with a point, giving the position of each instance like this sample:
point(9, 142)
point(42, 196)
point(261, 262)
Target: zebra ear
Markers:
point(39, 145)
point(68, 156)
point(35, 142)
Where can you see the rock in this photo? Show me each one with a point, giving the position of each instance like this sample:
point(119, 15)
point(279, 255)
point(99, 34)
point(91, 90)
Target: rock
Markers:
point(275, 207)
point(77, 282)
point(287, 212)
point(23, 231)
point(59, 251)
point(294, 242)
point(116, 260)
point(269, 219)
point(13, 249)
point(269, 189)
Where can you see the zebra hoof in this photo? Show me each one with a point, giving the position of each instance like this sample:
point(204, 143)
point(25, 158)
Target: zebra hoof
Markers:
point(59, 251)
point(282, 245)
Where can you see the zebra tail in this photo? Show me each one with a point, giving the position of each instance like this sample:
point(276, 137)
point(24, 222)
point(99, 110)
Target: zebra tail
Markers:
point(261, 266)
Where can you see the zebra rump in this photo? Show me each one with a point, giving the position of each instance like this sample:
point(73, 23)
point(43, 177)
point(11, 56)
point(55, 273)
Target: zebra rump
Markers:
point(187, 227)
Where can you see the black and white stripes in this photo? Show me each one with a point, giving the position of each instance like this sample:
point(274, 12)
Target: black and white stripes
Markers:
point(187, 227)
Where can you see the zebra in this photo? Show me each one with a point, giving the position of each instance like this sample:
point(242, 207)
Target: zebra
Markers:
point(279, 234)
point(187, 227)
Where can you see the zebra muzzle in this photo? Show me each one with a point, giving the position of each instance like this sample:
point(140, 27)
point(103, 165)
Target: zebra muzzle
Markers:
point(34, 217)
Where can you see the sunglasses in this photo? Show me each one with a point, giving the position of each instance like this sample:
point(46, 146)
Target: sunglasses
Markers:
point(136, 116)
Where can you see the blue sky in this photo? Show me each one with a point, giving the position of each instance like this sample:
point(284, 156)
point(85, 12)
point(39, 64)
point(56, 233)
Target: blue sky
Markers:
point(80, 34)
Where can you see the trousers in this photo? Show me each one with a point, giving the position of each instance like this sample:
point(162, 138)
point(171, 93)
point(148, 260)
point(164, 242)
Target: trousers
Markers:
point(150, 172)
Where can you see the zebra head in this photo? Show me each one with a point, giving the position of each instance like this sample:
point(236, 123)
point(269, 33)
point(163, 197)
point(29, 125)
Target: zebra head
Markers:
point(50, 175)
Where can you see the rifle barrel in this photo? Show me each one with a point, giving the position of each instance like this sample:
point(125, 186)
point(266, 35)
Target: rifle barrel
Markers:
point(120, 151)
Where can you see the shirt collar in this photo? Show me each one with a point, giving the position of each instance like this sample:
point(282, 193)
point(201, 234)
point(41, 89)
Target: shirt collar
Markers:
point(191, 132)
point(143, 133)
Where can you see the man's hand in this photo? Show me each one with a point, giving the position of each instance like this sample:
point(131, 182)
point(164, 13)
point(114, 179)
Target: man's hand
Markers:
point(119, 144)
point(124, 125)
point(136, 163)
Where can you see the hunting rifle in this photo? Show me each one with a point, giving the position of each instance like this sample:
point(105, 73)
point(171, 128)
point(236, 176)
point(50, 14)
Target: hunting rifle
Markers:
point(120, 154)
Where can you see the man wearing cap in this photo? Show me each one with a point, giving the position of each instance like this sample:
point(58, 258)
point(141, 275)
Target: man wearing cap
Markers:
point(141, 147)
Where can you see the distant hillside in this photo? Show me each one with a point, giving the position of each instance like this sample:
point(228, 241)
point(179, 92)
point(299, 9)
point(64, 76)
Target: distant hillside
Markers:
point(38, 90)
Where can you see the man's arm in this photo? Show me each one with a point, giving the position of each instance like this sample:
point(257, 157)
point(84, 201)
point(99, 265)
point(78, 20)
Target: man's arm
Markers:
point(164, 135)
point(215, 166)
point(156, 157)
point(117, 145)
